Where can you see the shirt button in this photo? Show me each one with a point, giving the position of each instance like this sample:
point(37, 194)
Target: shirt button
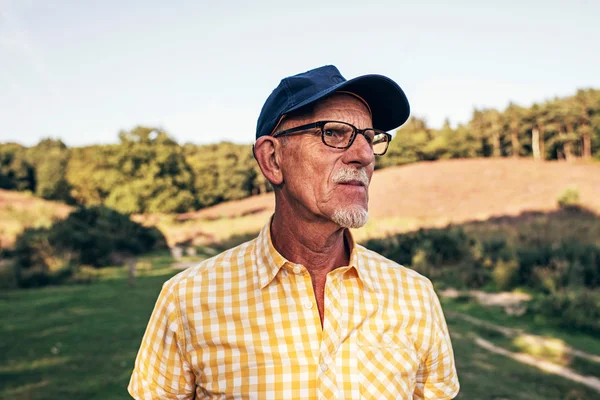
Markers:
point(297, 269)
point(387, 338)
point(324, 367)
point(308, 304)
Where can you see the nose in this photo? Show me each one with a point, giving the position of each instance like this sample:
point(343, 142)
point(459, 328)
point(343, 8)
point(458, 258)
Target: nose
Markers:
point(360, 152)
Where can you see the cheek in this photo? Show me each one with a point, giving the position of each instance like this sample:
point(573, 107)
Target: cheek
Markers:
point(309, 175)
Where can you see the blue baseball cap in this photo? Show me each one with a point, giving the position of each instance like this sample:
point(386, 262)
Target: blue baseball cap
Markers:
point(388, 103)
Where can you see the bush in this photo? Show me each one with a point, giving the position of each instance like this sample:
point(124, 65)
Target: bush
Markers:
point(569, 198)
point(8, 280)
point(575, 310)
point(449, 254)
point(96, 236)
point(441, 246)
point(506, 274)
point(101, 236)
point(535, 261)
point(497, 249)
point(552, 266)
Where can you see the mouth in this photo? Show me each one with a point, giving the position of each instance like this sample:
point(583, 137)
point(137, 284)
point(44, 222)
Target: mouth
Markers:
point(353, 182)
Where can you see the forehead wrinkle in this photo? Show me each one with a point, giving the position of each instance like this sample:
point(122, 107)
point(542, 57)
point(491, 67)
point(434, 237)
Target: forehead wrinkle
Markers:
point(343, 107)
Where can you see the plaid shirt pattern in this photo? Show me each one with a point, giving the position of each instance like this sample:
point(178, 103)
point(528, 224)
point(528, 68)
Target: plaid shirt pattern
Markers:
point(245, 325)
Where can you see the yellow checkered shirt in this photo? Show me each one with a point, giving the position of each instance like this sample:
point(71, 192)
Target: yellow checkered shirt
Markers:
point(244, 325)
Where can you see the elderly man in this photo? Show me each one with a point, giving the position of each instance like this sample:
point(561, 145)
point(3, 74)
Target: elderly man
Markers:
point(302, 311)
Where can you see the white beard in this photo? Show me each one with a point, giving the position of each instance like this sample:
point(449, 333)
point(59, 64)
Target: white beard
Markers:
point(351, 217)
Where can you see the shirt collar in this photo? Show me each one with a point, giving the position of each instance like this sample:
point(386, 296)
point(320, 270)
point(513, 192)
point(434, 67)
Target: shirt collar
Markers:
point(359, 261)
point(269, 261)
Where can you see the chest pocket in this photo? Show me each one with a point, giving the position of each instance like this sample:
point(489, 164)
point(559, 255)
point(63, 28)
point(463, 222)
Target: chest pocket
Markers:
point(387, 365)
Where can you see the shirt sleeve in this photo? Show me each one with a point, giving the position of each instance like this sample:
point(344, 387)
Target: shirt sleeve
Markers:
point(161, 371)
point(436, 377)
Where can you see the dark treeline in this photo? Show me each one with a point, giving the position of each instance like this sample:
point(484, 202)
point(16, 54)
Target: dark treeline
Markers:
point(559, 129)
point(149, 172)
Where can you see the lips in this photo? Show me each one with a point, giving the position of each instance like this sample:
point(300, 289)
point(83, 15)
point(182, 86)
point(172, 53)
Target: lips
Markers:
point(353, 182)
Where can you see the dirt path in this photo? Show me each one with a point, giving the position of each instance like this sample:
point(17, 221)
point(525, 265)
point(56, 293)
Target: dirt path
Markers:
point(512, 332)
point(523, 358)
point(545, 366)
point(184, 264)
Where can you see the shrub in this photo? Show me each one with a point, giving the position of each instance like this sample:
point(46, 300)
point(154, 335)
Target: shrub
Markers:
point(100, 236)
point(552, 266)
point(420, 264)
point(569, 198)
point(8, 280)
point(449, 254)
point(442, 246)
point(472, 274)
point(506, 274)
point(537, 258)
point(96, 236)
point(570, 309)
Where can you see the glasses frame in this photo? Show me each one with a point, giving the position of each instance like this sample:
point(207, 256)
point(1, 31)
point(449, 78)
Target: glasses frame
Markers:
point(321, 125)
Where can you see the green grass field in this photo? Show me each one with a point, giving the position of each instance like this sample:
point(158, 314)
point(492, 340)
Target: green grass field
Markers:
point(80, 342)
point(484, 375)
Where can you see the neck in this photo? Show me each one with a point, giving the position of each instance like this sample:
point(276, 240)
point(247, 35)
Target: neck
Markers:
point(318, 245)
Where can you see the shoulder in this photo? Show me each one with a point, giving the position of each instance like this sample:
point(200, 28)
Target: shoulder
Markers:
point(220, 264)
point(389, 268)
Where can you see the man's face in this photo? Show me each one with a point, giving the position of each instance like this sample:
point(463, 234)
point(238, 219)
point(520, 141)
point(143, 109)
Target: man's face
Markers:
point(321, 182)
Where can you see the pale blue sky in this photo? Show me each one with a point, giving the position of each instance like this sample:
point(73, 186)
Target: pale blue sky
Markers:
point(83, 70)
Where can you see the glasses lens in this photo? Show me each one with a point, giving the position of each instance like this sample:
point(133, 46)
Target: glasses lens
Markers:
point(380, 142)
point(337, 134)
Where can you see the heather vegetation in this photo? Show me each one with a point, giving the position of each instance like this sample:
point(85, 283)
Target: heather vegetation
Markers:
point(553, 256)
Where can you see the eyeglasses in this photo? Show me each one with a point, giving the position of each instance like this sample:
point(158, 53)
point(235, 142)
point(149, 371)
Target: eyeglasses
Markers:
point(341, 135)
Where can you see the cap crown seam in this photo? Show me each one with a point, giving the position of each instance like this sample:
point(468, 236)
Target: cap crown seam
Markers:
point(289, 101)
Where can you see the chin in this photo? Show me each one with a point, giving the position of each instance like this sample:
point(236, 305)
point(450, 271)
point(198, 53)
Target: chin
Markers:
point(350, 217)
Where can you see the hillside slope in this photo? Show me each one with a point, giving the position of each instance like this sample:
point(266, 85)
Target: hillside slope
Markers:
point(456, 190)
point(20, 210)
point(401, 198)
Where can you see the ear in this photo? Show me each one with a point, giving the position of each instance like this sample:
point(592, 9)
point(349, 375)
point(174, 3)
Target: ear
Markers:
point(267, 152)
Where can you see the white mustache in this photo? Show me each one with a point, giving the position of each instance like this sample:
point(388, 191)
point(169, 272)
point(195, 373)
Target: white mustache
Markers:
point(351, 174)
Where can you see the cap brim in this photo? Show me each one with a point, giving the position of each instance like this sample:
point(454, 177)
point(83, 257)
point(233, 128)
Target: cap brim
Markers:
point(386, 99)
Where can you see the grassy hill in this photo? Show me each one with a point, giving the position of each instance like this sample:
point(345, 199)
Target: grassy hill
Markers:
point(456, 190)
point(19, 210)
point(401, 199)
point(422, 195)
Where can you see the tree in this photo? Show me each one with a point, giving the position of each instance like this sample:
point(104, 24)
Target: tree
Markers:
point(456, 143)
point(223, 172)
point(583, 104)
point(512, 122)
point(16, 173)
point(50, 158)
point(560, 123)
point(154, 174)
point(485, 124)
point(93, 173)
point(408, 144)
